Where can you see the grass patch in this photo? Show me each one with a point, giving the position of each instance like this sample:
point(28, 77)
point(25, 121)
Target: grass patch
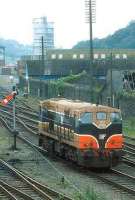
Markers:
point(129, 127)
point(89, 194)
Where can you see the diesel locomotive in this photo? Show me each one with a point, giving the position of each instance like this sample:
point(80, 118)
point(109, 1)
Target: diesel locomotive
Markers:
point(88, 134)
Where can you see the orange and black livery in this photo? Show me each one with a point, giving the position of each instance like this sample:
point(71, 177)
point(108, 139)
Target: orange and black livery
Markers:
point(88, 134)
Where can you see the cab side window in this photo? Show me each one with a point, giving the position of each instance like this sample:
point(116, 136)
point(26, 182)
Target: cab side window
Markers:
point(115, 117)
point(68, 121)
point(44, 114)
point(59, 117)
point(86, 118)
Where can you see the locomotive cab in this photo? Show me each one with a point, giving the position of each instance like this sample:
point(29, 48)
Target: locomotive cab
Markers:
point(105, 129)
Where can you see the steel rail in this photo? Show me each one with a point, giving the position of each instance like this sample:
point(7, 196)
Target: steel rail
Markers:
point(15, 191)
point(129, 152)
point(128, 161)
point(130, 146)
point(36, 190)
point(45, 188)
point(21, 116)
point(107, 179)
point(31, 126)
point(7, 193)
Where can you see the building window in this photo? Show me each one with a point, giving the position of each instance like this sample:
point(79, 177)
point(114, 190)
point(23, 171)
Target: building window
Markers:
point(81, 56)
point(60, 56)
point(117, 56)
point(124, 56)
point(103, 56)
point(96, 56)
point(53, 56)
point(74, 56)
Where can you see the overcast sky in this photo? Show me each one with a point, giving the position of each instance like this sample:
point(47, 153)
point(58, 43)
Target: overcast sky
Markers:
point(68, 17)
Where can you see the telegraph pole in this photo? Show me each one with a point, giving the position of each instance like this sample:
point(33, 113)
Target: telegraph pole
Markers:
point(15, 132)
point(90, 11)
point(43, 58)
point(14, 120)
point(111, 84)
point(43, 63)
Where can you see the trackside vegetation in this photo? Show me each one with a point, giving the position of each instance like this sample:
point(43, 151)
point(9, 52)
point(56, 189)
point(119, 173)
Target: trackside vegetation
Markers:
point(75, 81)
point(129, 126)
point(90, 194)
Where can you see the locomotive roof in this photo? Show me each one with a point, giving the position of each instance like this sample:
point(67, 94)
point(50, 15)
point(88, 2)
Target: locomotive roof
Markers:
point(74, 106)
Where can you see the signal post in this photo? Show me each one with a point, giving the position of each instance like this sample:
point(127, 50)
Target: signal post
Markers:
point(14, 131)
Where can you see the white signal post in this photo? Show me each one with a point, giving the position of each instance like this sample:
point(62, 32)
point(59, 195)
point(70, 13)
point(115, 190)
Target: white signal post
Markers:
point(27, 79)
point(28, 84)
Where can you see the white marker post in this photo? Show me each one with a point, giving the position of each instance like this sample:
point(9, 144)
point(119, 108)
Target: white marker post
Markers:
point(27, 79)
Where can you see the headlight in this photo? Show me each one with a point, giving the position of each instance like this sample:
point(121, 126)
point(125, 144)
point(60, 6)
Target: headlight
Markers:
point(102, 136)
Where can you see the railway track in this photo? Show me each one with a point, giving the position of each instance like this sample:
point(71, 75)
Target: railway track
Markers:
point(129, 138)
point(129, 150)
point(26, 132)
point(119, 180)
point(128, 161)
point(16, 185)
point(23, 110)
point(25, 105)
point(30, 121)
